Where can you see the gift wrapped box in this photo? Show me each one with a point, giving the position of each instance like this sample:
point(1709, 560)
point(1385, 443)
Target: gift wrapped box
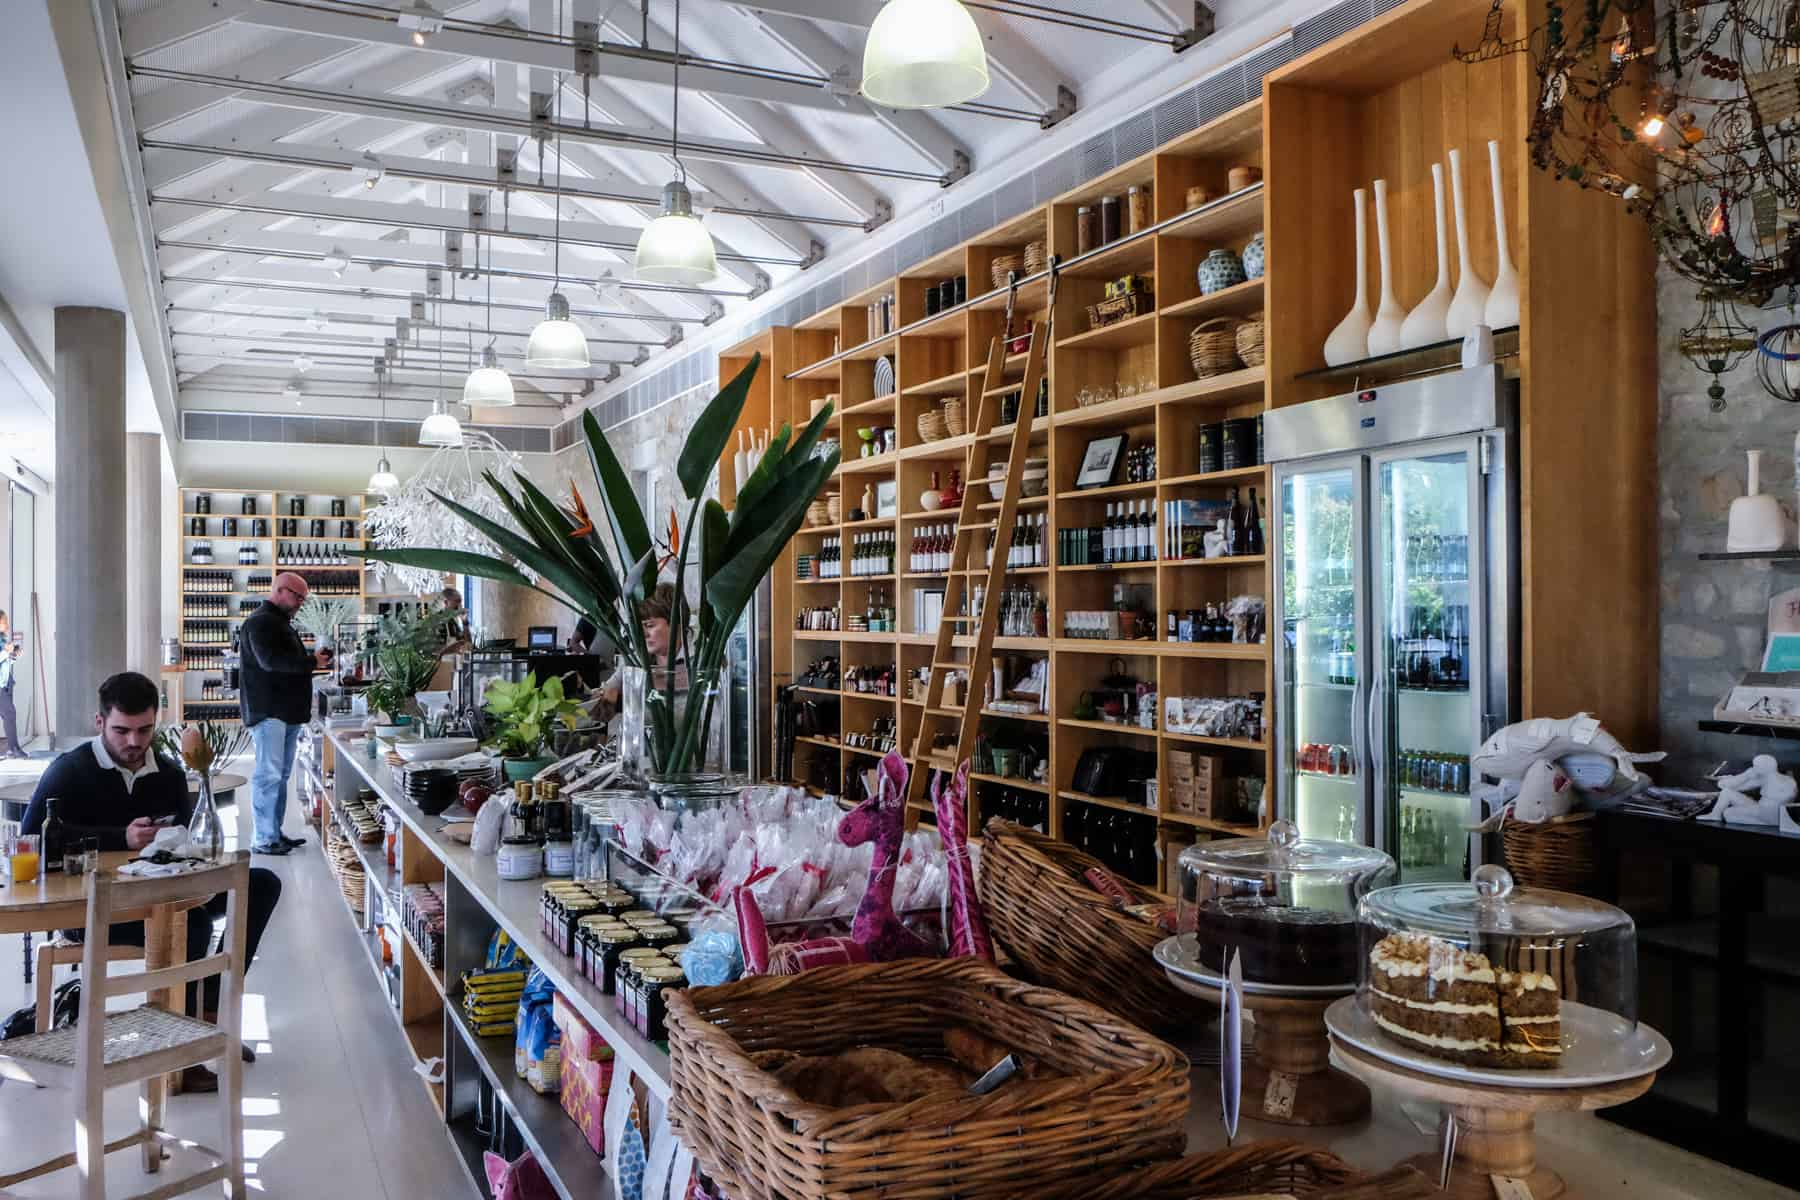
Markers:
point(579, 1039)
point(585, 1083)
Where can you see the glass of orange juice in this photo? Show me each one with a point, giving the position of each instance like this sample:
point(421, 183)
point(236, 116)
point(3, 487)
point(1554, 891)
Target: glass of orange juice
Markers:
point(25, 860)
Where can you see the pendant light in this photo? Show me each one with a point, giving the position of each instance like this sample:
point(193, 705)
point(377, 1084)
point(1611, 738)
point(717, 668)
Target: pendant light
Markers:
point(487, 385)
point(383, 481)
point(441, 428)
point(675, 247)
point(558, 342)
point(923, 54)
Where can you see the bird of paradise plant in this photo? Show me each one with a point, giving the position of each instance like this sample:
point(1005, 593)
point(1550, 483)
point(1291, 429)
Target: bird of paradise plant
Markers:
point(606, 578)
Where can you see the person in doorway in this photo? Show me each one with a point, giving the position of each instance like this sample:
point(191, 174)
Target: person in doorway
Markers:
point(9, 716)
point(275, 696)
point(117, 790)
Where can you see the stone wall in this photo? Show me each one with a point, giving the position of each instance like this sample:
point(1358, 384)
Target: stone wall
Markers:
point(1714, 614)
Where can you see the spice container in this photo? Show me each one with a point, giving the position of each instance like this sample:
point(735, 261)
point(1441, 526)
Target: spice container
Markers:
point(1087, 229)
point(1138, 216)
point(1111, 220)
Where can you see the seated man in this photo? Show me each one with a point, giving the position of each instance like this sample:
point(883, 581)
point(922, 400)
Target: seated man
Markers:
point(118, 790)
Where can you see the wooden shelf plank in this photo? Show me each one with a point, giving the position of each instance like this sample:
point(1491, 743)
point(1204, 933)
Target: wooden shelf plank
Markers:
point(1240, 299)
point(1135, 331)
point(1107, 727)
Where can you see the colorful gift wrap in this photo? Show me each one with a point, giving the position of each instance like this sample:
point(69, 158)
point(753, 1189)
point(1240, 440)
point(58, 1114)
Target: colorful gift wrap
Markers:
point(579, 1039)
point(585, 1083)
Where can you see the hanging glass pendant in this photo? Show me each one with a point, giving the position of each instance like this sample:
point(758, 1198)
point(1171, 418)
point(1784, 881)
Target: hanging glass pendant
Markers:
point(923, 54)
point(1717, 343)
point(384, 481)
point(441, 428)
point(487, 385)
point(558, 342)
point(675, 248)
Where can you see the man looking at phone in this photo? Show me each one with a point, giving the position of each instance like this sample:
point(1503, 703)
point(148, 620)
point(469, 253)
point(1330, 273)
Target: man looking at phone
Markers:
point(117, 790)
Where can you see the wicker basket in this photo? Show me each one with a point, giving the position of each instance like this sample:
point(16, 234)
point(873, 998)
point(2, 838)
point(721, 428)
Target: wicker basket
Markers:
point(818, 513)
point(1250, 341)
point(1119, 308)
point(345, 867)
point(1212, 347)
point(932, 427)
point(1266, 1168)
point(834, 509)
point(1001, 269)
point(1069, 936)
point(953, 418)
point(1035, 257)
point(1121, 1099)
point(1558, 854)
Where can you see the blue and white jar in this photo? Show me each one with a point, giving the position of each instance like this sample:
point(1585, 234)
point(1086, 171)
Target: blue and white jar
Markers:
point(1220, 270)
point(1254, 257)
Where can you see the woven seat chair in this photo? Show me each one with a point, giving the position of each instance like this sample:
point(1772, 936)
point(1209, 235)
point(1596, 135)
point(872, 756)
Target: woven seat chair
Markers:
point(105, 1050)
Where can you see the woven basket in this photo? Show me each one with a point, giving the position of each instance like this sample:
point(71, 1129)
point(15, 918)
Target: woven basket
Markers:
point(1035, 258)
point(1266, 1168)
point(1250, 341)
point(1119, 308)
point(1002, 268)
point(346, 868)
point(1069, 936)
point(1212, 347)
point(833, 509)
point(953, 418)
point(1121, 1098)
point(1558, 854)
point(932, 427)
point(818, 513)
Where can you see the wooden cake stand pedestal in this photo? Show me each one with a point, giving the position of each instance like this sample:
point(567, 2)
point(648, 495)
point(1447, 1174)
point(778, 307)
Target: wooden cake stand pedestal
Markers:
point(1290, 1079)
point(1497, 1140)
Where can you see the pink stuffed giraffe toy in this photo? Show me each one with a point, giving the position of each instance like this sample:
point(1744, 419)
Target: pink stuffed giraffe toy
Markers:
point(882, 818)
point(968, 928)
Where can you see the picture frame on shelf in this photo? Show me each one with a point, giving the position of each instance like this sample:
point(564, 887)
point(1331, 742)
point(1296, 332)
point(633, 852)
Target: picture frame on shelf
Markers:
point(1100, 461)
point(887, 498)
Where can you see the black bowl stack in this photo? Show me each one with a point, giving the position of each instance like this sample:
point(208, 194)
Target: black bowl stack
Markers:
point(433, 789)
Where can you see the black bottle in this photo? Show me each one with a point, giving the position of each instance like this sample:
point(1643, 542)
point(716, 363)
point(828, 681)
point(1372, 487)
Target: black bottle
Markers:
point(53, 840)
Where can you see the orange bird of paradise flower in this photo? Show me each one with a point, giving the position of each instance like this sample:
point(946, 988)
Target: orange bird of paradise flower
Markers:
point(584, 524)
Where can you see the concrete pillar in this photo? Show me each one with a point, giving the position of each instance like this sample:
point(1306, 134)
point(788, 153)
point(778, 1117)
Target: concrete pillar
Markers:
point(143, 552)
point(91, 508)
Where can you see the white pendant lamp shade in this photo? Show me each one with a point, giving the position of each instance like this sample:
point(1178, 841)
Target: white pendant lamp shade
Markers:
point(487, 385)
point(557, 343)
point(675, 248)
point(923, 54)
point(383, 480)
point(441, 429)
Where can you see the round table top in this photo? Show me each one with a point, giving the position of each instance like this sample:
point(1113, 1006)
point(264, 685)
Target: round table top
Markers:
point(63, 898)
point(223, 781)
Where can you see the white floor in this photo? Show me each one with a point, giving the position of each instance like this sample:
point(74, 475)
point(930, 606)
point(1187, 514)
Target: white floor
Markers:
point(332, 1107)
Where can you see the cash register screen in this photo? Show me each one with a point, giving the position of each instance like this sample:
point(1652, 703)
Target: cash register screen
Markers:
point(541, 637)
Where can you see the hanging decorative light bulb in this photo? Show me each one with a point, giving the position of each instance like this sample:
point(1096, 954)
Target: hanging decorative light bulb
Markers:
point(441, 428)
point(558, 342)
point(923, 54)
point(383, 481)
point(675, 247)
point(487, 385)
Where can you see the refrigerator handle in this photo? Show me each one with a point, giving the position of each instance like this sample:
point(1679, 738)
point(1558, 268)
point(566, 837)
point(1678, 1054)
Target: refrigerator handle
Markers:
point(1377, 735)
point(1359, 701)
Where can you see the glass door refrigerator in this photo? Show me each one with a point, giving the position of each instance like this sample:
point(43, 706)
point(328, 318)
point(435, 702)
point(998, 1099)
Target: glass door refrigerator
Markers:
point(1396, 601)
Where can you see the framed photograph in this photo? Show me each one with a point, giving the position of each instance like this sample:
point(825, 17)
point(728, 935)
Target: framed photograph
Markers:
point(887, 498)
point(1100, 461)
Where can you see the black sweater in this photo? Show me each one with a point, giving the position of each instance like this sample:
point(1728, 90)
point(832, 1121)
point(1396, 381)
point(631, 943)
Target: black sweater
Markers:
point(92, 800)
point(275, 671)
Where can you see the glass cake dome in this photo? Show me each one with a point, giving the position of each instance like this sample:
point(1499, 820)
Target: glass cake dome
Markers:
point(1492, 976)
point(1286, 904)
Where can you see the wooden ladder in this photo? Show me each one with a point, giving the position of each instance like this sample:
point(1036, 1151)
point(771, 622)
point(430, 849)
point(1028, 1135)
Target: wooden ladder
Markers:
point(968, 531)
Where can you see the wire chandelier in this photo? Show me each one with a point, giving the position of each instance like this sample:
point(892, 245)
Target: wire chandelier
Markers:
point(413, 516)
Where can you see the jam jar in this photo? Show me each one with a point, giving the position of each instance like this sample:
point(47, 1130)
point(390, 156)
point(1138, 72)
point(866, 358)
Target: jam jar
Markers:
point(610, 947)
point(653, 1013)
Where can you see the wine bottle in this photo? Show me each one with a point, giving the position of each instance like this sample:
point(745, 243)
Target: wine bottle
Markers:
point(1255, 538)
point(53, 839)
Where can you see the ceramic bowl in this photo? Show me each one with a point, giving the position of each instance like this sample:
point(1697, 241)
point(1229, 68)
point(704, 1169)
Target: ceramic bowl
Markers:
point(432, 749)
point(388, 733)
point(996, 486)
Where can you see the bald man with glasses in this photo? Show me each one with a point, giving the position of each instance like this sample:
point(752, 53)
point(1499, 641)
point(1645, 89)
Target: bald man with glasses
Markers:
point(275, 695)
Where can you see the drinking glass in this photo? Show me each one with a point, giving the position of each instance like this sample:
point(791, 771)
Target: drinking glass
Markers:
point(24, 859)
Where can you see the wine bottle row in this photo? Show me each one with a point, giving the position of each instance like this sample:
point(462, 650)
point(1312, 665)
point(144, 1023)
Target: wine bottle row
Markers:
point(208, 633)
point(313, 554)
point(1127, 535)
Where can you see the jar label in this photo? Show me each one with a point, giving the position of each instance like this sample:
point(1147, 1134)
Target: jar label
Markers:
point(1508, 1188)
point(1278, 1097)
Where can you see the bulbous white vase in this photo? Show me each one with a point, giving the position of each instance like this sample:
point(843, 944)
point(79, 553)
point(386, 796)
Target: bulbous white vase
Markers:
point(1425, 324)
point(1503, 302)
point(1384, 331)
point(1350, 340)
point(1468, 306)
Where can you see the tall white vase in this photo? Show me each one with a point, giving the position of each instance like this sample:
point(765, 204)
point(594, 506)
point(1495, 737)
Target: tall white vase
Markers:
point(1384, 332)
point(1426, 322)
point(1350, 340)
point(1503, 302)
point(1469, 305)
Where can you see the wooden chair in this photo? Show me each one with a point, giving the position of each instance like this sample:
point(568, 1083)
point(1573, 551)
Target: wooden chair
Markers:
point(141, 1045)
point(59, 953)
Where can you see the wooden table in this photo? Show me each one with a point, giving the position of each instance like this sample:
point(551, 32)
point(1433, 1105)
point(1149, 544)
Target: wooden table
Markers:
point(56, 901)
point(15, 796)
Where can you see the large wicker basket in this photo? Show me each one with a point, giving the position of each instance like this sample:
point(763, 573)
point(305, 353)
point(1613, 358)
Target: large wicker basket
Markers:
point(1121, 1098)
point(1266, 1168)
point(1212, 347)
point(1069, 936)
point(1558, 854)
point(1249, 338)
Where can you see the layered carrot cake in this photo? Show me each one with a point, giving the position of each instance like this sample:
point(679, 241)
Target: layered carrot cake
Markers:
point(1450, 1003)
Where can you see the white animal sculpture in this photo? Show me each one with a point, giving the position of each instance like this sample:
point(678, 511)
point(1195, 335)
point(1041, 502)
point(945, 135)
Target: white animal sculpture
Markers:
point(1773, 790)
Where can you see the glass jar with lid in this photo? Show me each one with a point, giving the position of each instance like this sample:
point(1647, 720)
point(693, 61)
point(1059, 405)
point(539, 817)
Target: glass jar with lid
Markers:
point(1087, 228)
point(1286, 904)
point(1488, 975)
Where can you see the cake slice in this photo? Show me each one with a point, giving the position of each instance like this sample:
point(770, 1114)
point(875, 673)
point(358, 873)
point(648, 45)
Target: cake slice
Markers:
point(1530, 1019)
point(1432, 995)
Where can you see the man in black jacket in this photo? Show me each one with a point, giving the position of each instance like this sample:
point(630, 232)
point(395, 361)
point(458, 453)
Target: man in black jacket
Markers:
point(119, 791)
point(275, 696)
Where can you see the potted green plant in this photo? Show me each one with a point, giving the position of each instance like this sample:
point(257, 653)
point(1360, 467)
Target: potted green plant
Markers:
point(408, 647)
point(321, 616)
point(525, 714)
point(721, 559)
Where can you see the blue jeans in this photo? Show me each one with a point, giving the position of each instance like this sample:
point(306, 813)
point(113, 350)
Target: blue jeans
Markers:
point(274, 741)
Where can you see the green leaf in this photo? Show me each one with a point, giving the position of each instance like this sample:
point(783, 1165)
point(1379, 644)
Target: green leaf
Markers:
point(457, 562)
point(768, 472)
point(708, 436)
point(630, 532)
point(545, 562)
point(729, 589)
point(801, 484)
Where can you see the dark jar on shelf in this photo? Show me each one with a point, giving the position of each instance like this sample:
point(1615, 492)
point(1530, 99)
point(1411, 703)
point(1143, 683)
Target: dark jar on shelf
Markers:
point(203, 504)
point(337, 508)
point(297, 506)
point(1087, 229)
point(1111, 220)
point(248, 507)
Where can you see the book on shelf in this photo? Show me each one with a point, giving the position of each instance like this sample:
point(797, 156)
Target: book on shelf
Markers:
point(1186, 524)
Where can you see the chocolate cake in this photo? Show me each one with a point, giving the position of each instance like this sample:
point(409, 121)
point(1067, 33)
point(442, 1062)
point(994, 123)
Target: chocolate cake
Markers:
point(1450, 1003)
point(1279, 943)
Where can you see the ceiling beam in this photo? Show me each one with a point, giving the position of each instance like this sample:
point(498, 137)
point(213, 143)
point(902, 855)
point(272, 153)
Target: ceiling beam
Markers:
point(394, 301)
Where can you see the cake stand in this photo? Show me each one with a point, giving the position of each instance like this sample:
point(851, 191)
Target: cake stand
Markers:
point(1289, 1080)
point(1496, 1139)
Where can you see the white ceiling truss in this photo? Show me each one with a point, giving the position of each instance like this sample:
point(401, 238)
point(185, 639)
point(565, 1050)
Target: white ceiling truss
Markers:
point(326, 182)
